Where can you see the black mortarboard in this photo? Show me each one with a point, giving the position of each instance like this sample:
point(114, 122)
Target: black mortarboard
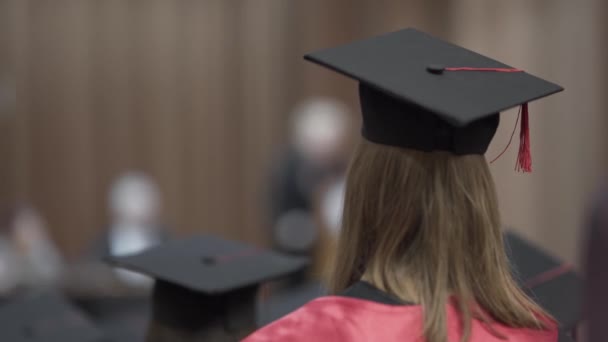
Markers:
point(206, 280)
point(419, 92)
point(45, 317)
point(550, 282)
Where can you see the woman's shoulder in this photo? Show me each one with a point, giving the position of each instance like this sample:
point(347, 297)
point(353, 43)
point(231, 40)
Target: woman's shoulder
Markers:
point(311, 320)
point(341, 318)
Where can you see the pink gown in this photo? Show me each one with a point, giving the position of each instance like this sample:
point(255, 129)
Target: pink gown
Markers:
point(351, 319)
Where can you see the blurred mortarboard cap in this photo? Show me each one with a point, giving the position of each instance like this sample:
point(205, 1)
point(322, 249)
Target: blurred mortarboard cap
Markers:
point(47, 317)
point(550, 282)
point(204, 279)
point(420, 92)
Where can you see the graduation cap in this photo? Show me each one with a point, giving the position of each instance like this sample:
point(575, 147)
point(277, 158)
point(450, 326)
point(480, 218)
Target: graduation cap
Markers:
point(45, 317)
point(420, 92)
point(552, 283)
point(205, 282)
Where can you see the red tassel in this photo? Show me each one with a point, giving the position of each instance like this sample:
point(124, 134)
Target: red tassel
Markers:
point(524, 157)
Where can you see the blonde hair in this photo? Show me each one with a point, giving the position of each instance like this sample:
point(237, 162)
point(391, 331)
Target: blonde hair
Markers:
point(425, 226)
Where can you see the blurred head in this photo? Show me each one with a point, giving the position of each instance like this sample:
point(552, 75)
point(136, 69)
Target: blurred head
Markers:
point(321, 129)
point(39, 261)
point(135, 198)
point(27, 228)
point(425, 226)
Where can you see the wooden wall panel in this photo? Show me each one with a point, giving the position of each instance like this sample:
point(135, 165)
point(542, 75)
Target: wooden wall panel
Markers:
point(9, 16)
point(201, 87)
point(262, 109)
point(110, 97)
point(198, 95)
point(60, 160)
point(154, 102)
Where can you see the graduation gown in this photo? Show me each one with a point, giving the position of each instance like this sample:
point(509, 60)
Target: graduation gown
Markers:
point(364, 313)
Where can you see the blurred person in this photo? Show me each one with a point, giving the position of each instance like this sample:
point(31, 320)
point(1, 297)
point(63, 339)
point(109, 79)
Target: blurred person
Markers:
point(43, 316)
point(421, 252)
point(30, 252)
point(596, 260)
point(311, 167)
point(135, 204)
point(315, 157)
point(118, 299)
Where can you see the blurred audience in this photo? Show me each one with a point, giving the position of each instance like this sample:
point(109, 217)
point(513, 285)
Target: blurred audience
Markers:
point(305, 195)
point(315, 159)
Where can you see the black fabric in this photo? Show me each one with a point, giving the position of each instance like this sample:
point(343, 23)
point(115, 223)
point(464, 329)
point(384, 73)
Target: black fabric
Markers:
point(563, 337)
point(192, 311)
point(366, 291)
point(596, 270)
point(286, 298)
point(122, 318)
point(45, 317)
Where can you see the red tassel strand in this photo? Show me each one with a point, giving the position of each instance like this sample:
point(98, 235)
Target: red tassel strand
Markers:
point(524, 157)
point(483, 69)
point(510, 138)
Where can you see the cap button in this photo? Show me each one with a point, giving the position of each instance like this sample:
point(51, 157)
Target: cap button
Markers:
point(435, 68)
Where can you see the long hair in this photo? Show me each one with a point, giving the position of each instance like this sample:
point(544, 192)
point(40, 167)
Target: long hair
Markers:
point(425, 227)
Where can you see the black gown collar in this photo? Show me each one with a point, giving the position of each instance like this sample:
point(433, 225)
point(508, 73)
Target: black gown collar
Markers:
point(364, 290)
point(367, 291)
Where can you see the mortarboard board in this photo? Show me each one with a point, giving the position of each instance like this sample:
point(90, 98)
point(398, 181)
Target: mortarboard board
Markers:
point(420, 92)
point(550, 282)
point(45, 317)
point(207, 281)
